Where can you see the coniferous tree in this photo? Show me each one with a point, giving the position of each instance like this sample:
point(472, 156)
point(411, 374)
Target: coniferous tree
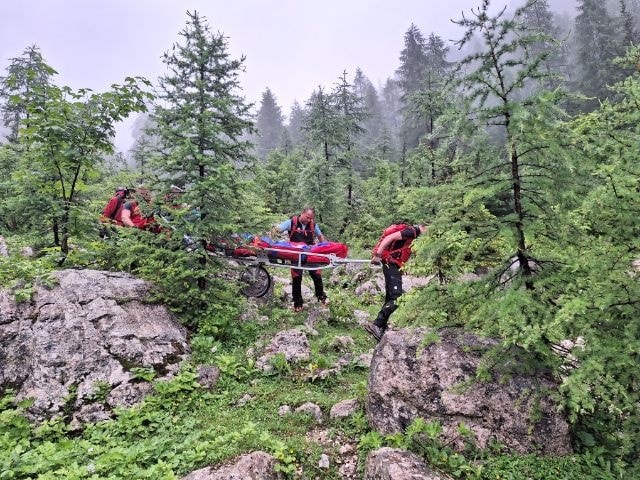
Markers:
point(597, 46)
point(269, 125)
point(351, 114)
point(630, 34)
point(411, 74)
point(392, 113)
point(200, 122)
point(538, 18)
point(145, 144)
point(27, 76)
point(373, 123)
point(509, 180)
point(603, 297)
point(295, 126)
point(428, 104)
point(322, 125)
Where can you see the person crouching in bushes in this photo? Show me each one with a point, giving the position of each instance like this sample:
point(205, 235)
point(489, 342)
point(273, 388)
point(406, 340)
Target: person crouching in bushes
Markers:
point(131, 215)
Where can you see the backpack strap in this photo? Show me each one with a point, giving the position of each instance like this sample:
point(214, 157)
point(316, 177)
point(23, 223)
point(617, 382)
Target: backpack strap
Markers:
point(117, 209)
point(294, 226)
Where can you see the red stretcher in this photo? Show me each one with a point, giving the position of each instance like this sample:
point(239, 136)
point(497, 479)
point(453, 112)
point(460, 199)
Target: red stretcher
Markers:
point(292, 254)
point(263, 251)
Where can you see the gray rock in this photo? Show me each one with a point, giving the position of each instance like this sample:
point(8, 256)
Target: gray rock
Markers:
point(284, 410)
point(324, 461)
point(208, 376)
point(410, 380)
point(395, 464)
point(82, 337)
point(4, 250)
point(342, 343)
point(345, 408)
point(293, 344)
point(312, 409)
point(252, 466)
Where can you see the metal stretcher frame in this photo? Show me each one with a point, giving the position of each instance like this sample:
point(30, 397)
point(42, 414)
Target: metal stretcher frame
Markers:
point(256, 280)
point(262, 257)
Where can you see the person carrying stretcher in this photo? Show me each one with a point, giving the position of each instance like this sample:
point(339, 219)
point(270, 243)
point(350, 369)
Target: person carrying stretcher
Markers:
point(302, 228)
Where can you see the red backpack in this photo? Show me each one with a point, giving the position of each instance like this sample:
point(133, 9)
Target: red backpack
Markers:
point(399, 251)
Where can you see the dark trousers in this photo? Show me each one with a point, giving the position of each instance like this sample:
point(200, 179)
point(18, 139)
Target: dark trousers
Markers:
point(296, 285)
point(393, 290)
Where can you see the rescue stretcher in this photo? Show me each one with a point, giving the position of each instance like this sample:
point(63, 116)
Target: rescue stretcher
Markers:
point(264, 252)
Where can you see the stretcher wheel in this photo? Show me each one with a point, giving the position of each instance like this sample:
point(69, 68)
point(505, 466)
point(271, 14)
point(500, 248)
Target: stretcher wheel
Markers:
point(255, 281)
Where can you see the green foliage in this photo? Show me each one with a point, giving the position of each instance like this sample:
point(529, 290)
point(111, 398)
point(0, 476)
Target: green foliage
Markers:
point(61, 142)
point(542, 206)
point(280, 364)
point(143, 373)
point(199, 123)
point(21, 274)
point(239, 369)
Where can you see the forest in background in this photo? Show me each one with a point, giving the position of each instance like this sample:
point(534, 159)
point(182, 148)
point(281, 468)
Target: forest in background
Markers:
point(521, 156)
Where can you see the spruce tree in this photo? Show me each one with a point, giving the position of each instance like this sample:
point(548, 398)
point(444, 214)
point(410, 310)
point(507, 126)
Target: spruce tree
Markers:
point(597, 45)
point(630, 35)
point(538, 19)
point(295, 126)
point(390, 97)
point(349, 105)
point(27, 76)
point(373, 123)
point(428, 104)
point(200, 122)
point(269, 125)
point(411, 74)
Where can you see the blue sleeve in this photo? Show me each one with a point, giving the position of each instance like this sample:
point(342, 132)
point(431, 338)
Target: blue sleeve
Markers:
point(317, 231)
point(285, 226)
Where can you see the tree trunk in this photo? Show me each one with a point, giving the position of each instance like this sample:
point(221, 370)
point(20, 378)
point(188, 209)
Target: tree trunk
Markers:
point(56, 232)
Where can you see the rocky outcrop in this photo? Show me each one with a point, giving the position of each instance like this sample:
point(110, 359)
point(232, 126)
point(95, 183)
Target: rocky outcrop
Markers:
point(395, 464)
point(87, 344)
point(252, 466)
point(436, 381)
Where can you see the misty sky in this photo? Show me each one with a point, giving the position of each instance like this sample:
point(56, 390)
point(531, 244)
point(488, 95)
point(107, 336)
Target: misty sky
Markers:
point(291, 46)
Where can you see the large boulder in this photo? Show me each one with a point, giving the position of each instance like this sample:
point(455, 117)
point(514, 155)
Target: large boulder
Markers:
point(411, 378)
point(75, 347)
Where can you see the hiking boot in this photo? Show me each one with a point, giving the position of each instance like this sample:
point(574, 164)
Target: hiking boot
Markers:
point(375, 331)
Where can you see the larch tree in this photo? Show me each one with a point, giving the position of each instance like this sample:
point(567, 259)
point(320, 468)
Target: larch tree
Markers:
point(601, 302)
point(500, 208)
